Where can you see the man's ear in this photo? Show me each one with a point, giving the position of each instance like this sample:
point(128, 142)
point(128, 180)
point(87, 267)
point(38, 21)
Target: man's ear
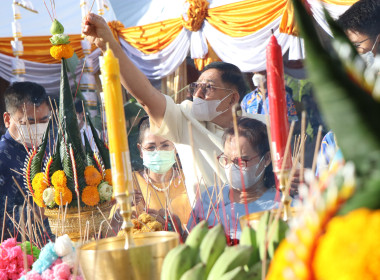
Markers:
point(139, 147)
point(267, 158)
point(7, 119)
point(235, 98)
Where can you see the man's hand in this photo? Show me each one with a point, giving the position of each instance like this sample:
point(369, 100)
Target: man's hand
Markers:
point(97, 31)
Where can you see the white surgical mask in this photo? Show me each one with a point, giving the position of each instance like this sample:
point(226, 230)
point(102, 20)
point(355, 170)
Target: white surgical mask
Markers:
point(258, 79)
point(32, 134)
point(205, 110)
point(369, 57)
point(158, 161)
point(249, 175)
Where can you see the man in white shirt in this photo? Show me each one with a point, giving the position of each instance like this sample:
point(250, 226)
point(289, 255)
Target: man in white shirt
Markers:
point(217, 90)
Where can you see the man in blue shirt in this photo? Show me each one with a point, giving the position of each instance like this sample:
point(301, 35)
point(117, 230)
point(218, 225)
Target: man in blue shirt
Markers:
point(26, 118)
point(253, 102)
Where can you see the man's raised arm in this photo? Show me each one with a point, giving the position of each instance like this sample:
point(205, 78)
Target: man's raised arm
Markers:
point(153, 101)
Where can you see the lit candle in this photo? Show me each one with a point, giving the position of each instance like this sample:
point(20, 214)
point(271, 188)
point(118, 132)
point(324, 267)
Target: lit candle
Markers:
point(117, 135)
point(279, 126)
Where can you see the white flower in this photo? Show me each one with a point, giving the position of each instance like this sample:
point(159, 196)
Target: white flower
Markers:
point(105, 191)
point(48, 197)
point(70, 259)
point(63, 246)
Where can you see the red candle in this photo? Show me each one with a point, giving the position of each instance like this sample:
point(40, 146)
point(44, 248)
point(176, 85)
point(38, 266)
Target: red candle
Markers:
point(277, 105)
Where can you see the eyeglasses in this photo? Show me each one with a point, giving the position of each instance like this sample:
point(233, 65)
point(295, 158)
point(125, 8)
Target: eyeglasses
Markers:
point(357, 45)
point(225, 162)
point(207, 88)
point(163, 147)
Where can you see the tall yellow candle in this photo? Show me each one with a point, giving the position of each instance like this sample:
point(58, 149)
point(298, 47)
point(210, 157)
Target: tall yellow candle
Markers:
point(117, 135)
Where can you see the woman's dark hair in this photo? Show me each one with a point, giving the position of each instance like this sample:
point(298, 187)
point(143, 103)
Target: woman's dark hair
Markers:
point(256, 134)
point(142, 126)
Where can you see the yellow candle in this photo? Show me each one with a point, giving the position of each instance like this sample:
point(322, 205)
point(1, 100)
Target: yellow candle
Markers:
point(117, 135)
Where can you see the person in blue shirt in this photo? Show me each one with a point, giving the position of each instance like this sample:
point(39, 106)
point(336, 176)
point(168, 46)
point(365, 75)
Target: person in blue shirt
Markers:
point(257, 188)
point(253, 102)
point(26, 119)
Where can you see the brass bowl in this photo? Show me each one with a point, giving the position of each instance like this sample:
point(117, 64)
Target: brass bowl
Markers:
point(107, 258)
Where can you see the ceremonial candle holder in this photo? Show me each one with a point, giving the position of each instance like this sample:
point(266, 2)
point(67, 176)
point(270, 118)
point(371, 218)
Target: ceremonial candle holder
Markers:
point(126, 212)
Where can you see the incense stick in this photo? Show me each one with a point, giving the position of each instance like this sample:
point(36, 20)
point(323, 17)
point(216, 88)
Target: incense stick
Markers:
point(4, 217)
point(133, 123)
point(316, 149)
point(303, 133)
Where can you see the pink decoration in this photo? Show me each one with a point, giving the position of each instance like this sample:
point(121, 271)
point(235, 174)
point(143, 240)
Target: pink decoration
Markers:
point(12, 260)
point(61, 271)
point(48, 274)
point(77, 278)
point(33, 276)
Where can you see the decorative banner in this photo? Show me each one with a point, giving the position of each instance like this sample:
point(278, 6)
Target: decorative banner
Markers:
point(88, 65)
point(100, 5)
point(86, 47)
point(16, 12)
point(18, 66)
point(84, 8)
point(17, 48)
point(16, 29)
point(91, 100)
point(87, 82)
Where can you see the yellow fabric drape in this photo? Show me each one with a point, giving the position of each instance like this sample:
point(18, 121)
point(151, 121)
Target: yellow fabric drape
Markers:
point(116, 28)
point(37, 49)
point(288, 23)
point(153, 37)
point(211, 56)
point(243, 18)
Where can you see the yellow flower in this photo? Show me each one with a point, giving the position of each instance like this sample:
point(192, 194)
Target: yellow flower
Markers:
point(67, 196)
point(349, 248)
point(108, 176)
point(92, 176)
point(61, 51)
point(38, 198)
point(39, 182)
point(59, 180)
point(90, 195)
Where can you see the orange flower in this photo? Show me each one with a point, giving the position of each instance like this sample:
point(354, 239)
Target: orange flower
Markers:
point(67, 196)
point(38, 198)
point(61, 51)
point(39, 182)
point(59, 180)
point(108, 176)
point(92, 176)
point(90, 195)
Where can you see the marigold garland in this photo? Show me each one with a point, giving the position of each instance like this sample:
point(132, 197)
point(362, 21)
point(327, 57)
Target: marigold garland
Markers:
point(61, 51)
point(108, 176)
point(39, 182)
point(92, 176)
point(67, 196)
point(349, 248)
point(59, 180)
point(38, 198)
point(90, 196)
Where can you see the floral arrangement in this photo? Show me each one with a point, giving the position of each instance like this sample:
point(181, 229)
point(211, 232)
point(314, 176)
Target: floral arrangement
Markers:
point(72, 174)
point(12, 259)
point(56, 262)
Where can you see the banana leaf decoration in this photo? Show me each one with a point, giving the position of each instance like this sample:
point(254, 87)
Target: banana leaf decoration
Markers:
point(103, 150)
point(37, 160)
point(349, 110)
point(89, 152)
point(71, 134)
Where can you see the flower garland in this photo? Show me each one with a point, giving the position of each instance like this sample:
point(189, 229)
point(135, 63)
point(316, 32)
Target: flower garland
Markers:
point(92, 176)
point(90, 196)
point(108, 176)
point(67, 196)
point(58, 179)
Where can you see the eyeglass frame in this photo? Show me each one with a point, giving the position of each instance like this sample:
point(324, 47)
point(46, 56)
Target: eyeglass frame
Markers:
point(244, 162)
point(357, 45)
point(206, 88)
point(157, 148)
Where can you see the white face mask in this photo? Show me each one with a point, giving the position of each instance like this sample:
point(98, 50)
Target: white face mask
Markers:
point(250, 177)
point(258, 79)
point(32, 134)
point(205, 110)
point(369, 57)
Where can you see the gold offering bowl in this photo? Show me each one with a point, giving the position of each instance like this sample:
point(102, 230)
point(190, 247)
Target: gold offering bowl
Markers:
point(107, 258)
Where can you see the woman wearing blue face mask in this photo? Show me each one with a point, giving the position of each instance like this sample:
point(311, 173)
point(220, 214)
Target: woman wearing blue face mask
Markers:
point(251, 181)
point(161, 183)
